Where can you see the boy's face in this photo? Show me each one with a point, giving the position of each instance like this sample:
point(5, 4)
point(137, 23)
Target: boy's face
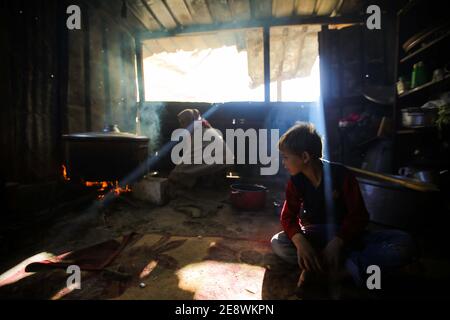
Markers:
point(292, 162)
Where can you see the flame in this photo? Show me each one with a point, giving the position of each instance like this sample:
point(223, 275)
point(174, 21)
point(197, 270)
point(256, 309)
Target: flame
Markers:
point(102, 186)
point(118, 189)
point(108, 186)
point(64, 173)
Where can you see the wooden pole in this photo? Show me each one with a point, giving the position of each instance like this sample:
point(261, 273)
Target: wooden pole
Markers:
point(410, 184)
point(141, 83)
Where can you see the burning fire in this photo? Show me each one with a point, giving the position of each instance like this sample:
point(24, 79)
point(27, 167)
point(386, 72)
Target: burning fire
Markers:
point(64, 173)
point(108, 185)
point(103, 186)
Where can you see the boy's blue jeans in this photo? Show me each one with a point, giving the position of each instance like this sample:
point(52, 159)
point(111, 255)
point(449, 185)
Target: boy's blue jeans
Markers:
point(388, 249)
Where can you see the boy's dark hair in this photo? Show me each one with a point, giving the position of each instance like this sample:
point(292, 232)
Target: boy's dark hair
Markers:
point(300, 138)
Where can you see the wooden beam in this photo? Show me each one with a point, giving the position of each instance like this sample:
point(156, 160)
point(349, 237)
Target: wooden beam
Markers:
point(220, 11)
point(141, 84)
point(257, 23)
point(305, 7)
point(106, 76)
point(151, 13)
point(283, 8)
point(261, 9)
point(87, 67)
point(199, 11)
point(172, 14)
point(162, 13)
point(180, 11)
point(240, 9)
point(326, 7)
point(62, 83)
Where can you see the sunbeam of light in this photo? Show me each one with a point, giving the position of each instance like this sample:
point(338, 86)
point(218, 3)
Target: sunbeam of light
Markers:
point(212, 280)
point(318, 114)
point(18, 272)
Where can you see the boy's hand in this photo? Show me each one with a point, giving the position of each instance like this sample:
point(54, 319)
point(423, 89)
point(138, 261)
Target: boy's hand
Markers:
point(332, 253)
point(306, 255)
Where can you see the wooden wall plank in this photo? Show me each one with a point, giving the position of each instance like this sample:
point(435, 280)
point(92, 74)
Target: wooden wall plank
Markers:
point(326, 7)
point(305, 7)
point(282, 8)
point(220, 10)
point(240, 9)
point(141, 13)
point(199, 11)
point(162, 13)
point(351, 7)
point(262, 9)
point(180, 11)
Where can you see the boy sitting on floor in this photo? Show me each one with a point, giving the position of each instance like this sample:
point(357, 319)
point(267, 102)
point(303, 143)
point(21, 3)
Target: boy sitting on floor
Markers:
point(324, 217)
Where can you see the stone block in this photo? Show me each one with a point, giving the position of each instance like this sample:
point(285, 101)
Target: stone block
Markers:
point(152, 189)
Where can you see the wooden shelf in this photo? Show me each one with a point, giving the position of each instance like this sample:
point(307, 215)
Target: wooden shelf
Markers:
point(405, 131)
point(411, 4)
point(426, 47)
point(358, 99)
point(424, 86)
point(367, 142)
point(434, 53)
point(412, 130)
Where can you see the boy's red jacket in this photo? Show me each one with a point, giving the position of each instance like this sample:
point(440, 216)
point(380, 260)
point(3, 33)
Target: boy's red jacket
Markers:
point(336, 201)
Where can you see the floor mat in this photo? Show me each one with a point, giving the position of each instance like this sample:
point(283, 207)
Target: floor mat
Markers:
point(171, 267)
point(92, 258)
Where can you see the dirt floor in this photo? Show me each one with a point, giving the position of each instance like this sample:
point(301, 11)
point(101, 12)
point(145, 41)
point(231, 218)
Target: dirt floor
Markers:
point(211, 230)
point(197, 246)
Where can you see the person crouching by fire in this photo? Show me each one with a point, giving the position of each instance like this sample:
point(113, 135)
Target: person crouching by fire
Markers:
point(188, 175)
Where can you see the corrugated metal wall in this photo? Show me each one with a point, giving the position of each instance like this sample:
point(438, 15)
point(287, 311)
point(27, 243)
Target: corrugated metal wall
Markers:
point(30, 54)
point(54, 81)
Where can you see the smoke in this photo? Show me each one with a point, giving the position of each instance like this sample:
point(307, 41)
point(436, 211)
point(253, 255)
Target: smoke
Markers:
point(150, 118)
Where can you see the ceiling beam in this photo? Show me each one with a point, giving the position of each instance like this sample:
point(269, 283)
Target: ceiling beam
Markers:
point(257, 23)
point(151, 13)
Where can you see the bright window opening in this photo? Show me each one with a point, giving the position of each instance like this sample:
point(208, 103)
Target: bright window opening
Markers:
point(209, 75)
point(301, 89)
point(229, 66)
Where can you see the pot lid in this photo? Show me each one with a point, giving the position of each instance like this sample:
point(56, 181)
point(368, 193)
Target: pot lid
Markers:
point(245, 187)
point(384, 95)
point(104, 136)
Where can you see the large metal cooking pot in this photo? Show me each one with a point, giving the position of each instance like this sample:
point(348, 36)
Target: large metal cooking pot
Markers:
point(249, 197)
point(103, 156)
point(395, 205)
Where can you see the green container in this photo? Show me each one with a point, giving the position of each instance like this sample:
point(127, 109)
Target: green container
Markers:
point(419, 75)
